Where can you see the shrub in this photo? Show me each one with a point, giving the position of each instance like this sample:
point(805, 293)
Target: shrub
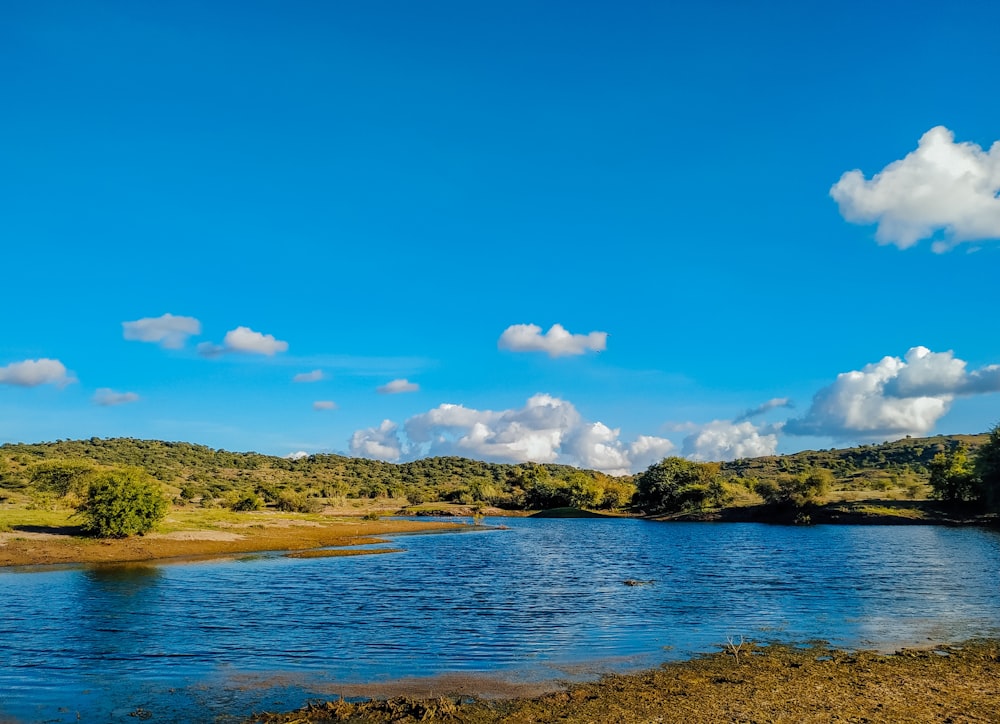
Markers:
point(121, 503)
point(293, 502)
point(246, 502)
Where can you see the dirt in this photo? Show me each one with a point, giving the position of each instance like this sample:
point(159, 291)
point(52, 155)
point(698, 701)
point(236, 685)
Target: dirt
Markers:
point(39, 546)
point(773, 685)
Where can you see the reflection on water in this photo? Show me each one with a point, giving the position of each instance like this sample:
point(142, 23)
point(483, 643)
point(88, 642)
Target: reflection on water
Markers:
point(213, 637)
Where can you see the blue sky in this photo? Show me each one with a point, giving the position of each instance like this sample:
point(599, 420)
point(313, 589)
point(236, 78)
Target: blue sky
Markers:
point(406, 197)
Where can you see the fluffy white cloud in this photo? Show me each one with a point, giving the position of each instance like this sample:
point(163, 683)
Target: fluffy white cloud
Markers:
point(398, 386)
point(943, 186)
point(596, 446)
point(297, 455)
point(380, 442)
point(169, 331)
point(893, 397)
point(546, 429)
point(244, 340)
point(314, 376)
point(534, 432)
point(557, 342)
point(324, 405)
point(771, 404)
point(725, 440)
point(34, 372)
point(106, 397)
point(647, 449)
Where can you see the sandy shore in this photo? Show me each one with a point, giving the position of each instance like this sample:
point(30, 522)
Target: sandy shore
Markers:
point(775, 684)
point(42, 545)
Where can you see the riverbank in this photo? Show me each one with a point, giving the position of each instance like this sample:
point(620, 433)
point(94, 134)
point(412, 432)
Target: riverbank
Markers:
point(53, 538)
point(870, 511)
point(958, 684)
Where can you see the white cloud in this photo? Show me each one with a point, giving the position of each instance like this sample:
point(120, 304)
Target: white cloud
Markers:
point(324, 405)
point(765, 407)
point(647, 450)
point(942, 187)
point(314, 376)
point(557, 342)
point(893, 397)
point(725, 440)
point(596, 446)
point(380, 442)
point(297, 455)
point(169, 331)
point(106, 397)
point(34, 372)
point(546, 429)
point(245, 341)
point(398, 386)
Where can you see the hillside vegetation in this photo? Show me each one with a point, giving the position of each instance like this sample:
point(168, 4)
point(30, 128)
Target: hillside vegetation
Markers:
point(46, 472)
point(46, 475)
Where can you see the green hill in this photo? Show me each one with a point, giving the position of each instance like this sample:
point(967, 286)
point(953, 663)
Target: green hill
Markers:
point(195, 474)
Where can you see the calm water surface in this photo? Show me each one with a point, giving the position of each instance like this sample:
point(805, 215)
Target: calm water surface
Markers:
point(196, 640)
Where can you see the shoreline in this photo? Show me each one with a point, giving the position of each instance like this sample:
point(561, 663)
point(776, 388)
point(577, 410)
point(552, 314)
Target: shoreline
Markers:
point(192, 535)
point(30, 546)
point(748, 683)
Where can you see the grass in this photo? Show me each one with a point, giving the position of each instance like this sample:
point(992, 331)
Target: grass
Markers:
point(15, 518)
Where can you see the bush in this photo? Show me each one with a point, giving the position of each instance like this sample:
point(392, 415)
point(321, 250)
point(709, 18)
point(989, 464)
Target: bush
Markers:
point(795, 490)
point(293, 502)
point(246, 502)
point(121, 503)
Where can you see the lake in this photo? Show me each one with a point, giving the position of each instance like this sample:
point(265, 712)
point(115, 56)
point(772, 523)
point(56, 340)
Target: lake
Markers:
point(534, 601)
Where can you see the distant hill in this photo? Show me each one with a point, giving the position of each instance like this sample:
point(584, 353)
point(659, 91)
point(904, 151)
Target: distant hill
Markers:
point(196, 472)
point(861, 467)
point(200, 472)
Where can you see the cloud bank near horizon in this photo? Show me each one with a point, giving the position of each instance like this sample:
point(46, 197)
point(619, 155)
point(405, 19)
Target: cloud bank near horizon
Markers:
point(885, 400)
point(546, 430)
point(893, 397)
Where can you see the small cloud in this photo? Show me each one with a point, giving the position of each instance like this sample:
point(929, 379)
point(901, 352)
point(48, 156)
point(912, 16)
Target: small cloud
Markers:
point(314, 376)
point(557, 342)
point(106, 397)
point(297, 455)
point(243, 340)
point(34, 372)
point(761, 409)
point(168, 331)
point(398, 386)
point(324, 405)
point(943, 187)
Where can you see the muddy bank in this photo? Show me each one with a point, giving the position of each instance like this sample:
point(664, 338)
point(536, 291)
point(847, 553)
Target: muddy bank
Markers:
point(37, 545)
point(762, 684)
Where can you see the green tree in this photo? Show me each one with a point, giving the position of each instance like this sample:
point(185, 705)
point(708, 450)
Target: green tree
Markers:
point(987, 469)
point(63, 476)
point(676, 484)
point(121, 503)
point(953, 479)
point(583, 491)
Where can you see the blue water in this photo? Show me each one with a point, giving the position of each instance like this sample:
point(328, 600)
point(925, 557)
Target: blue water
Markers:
point(204, 639)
